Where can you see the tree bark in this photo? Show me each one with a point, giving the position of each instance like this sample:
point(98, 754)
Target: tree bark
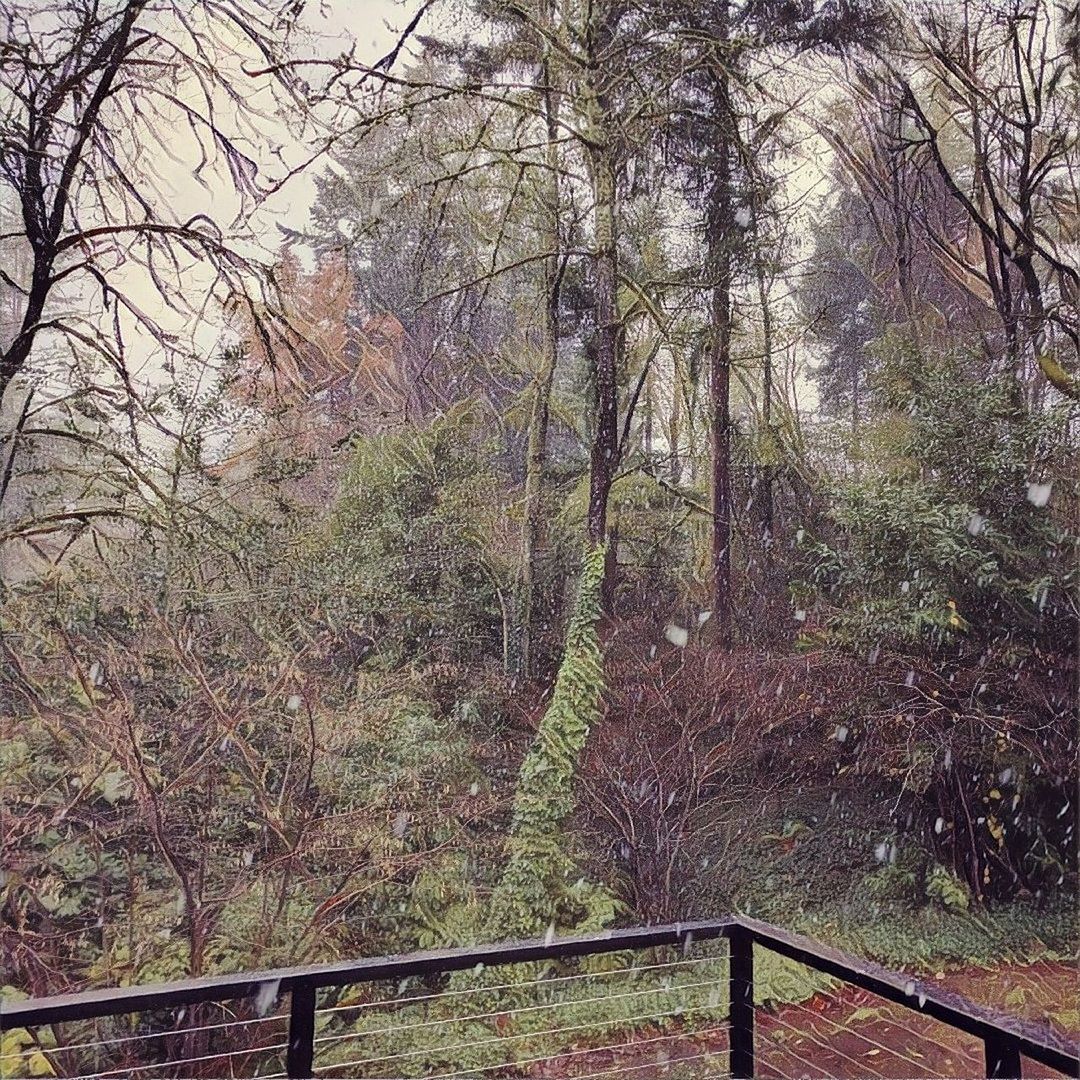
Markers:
point(720, 413)
point(719, 232)
point(539, 417)
point(675, 417)
point(606, 274)
point(605, 440)
point(766, 478)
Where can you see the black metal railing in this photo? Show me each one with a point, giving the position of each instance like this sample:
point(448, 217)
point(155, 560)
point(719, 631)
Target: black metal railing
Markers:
point(1005, 1039)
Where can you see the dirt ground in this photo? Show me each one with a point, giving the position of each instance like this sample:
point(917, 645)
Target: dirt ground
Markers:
point(851, 1034)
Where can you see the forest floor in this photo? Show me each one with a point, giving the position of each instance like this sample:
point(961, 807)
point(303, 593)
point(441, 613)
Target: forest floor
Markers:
point(850, 1032)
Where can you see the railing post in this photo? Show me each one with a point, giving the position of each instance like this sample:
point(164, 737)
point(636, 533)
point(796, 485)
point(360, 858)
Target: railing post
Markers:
point(741, 1003)
point(1002, 1058)
point(300, 1056)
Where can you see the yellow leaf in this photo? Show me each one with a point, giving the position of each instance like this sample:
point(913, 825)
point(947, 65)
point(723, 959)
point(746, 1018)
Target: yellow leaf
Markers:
point(1059, 378)
point(38, 1065)
point(14, 1041)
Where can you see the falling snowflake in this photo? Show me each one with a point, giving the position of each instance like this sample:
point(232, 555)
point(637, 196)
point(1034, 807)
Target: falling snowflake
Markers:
point(1039, 494)
point(266, 996)
point(677, 635)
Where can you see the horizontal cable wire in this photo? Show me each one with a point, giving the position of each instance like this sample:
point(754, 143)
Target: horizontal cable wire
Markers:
point(521, 1035)
point(554, 980)
point(516, 1011)
point(923, 1037)
point(709, 1055)
point(189, 1061)
point(772, 1073)
point(815, 1070)
point(142, 1038)
point(809, 1034)
point(675, 1063)
point(546, 1058)
point(920, 1069)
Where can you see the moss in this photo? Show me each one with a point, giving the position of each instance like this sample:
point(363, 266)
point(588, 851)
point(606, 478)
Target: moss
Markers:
point(533, 893)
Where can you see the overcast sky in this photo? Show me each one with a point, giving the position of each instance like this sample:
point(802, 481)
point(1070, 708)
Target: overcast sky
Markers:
point(375, 26)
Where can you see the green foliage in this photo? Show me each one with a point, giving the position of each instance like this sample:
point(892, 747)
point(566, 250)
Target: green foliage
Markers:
point(21, 1054)
point(938, 538)
point(410, 554)
point(899, 881)
point(944, 887)
point(533, 892)
point(222, 793)
point(907, 910)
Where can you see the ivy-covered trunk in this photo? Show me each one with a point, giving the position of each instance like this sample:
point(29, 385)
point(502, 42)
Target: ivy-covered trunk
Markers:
point(534, 892)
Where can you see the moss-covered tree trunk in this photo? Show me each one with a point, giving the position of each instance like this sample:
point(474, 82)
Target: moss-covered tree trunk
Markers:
point(539, 418)
point(534, 891)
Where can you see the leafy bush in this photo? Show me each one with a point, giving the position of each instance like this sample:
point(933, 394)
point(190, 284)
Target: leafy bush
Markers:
point(412, 556)
point(943, 886)
point(948, 533)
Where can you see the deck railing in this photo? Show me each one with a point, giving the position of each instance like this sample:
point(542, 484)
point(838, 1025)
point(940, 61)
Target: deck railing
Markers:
point(1006, 1040)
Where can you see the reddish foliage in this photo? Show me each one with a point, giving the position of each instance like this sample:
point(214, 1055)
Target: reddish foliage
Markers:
point(695, 739)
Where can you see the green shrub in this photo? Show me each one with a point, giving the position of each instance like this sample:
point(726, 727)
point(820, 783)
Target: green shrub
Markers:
point(411, 556)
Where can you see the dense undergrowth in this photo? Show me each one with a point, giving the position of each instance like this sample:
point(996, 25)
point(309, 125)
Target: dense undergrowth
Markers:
point(633, 476)
point(275, 736)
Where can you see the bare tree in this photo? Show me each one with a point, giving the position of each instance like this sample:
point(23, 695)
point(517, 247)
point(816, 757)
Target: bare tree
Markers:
point(972, 146)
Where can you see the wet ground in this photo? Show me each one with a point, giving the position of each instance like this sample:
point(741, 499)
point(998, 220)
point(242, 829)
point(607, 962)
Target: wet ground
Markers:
point(850, 1033)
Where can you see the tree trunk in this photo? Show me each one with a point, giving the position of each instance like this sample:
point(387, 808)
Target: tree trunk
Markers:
point(766, 478)
point(719, 233)
point(605, 441)
point(675, 417)
point(539, 417)
point(720, 409)
point(534, 486)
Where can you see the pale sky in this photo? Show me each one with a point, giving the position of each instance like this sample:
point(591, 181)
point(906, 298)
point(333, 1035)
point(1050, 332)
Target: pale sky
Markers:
point(375, 26)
